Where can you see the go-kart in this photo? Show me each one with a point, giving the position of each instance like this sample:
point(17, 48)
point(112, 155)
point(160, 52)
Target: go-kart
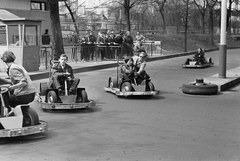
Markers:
point(132, 86)
point(51, 98)
point(198, 62)
point(21, 121)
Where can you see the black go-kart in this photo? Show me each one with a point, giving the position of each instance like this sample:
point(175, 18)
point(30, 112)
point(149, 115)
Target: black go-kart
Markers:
point(51, 98)
point(132, 85)
point(193, 63)
point(22, 120)
point(198, 61)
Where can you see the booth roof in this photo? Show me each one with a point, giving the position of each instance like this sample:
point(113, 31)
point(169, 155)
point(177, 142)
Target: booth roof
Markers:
point(8, 16)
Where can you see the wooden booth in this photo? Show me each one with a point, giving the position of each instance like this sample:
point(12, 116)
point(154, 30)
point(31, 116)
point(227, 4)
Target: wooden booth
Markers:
point(22, 37)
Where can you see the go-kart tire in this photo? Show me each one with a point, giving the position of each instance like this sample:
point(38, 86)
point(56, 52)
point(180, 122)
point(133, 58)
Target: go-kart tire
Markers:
point(52, 97)
point(112, 83)
point(30, 117)
point(84, 96)
point(151, 86)
point(43, 88)
point(204, 89)
point(187, 62)
point(126, 87)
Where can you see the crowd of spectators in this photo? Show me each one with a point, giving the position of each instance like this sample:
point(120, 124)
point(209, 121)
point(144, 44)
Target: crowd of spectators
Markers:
point(107, 45)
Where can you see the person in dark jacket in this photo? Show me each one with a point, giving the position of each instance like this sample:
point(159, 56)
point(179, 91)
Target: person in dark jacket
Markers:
point(57, 77)
point(118, 42)
point(128, 44)
point(91, 45)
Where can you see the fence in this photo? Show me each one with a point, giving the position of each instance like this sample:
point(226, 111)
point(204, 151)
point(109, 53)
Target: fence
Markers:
point(96, 52)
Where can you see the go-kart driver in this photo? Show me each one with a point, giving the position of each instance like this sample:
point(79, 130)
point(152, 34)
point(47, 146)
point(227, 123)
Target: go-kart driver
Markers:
point(139, 65)
point(127, 68)
point(21, 89)
point(199, 56)
point(58, 71)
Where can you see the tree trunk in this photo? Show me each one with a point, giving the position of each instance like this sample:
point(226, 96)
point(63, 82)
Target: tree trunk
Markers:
point(73, 18)
point(128, 19)
point(203, 23)
point(211, 26)
point(56, 28)
point(186, 28)
point(164, 23)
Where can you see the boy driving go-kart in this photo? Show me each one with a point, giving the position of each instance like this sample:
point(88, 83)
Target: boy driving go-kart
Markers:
point(63, 72)
point(199, 60)
point(132, 79)
point(199, 56)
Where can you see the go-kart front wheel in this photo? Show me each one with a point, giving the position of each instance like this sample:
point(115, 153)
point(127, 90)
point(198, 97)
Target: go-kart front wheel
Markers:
point(52, 97)
point(151, 86)
point(30, 117)
point(126, 87)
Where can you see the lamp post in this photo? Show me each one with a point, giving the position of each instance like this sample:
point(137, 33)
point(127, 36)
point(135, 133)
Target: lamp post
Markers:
point(223, 46)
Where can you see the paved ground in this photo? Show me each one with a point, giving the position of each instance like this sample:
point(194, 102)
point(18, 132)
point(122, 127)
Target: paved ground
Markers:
point(232, 75)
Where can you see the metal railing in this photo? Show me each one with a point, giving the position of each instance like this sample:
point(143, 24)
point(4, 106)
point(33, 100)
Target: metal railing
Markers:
point(96, 52)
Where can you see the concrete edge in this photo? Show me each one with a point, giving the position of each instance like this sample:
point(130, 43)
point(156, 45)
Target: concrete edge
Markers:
point(229, 84)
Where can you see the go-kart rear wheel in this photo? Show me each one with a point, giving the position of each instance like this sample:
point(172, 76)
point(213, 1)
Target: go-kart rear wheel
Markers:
point(52, 97)
point(84, 96)
point(30, 117)
point(43, 88)
point(126, 87)
point(112, 83)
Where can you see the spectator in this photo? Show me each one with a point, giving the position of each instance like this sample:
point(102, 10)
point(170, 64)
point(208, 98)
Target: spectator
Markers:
point(140, 37)
point(84, 49)
point(128, 44)
point(111, 43)
point(119, 41)
point(91, 45)
point(46, 38)
point(101, 43)
point(138, 47)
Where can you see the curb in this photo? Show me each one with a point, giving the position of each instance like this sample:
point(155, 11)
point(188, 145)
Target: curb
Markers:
point(43, 75)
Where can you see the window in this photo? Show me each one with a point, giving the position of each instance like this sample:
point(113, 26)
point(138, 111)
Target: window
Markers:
point(38, 6)
point(3, 38)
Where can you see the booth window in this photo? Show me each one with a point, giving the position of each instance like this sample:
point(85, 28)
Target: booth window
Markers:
point(35, 5)
point(3, 36)
point(31, 35)
point(13, 38)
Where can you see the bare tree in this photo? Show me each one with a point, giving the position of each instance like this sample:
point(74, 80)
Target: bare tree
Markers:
point(159, 6)
point(210, 5)
point(128, 5)
point(202, 7)
point(56, 27)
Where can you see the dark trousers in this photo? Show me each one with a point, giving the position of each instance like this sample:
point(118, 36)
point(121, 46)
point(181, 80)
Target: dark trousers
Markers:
point(18, 100)
point(58, 82)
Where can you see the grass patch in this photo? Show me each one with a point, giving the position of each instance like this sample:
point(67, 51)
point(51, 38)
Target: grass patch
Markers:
point(175, 42)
